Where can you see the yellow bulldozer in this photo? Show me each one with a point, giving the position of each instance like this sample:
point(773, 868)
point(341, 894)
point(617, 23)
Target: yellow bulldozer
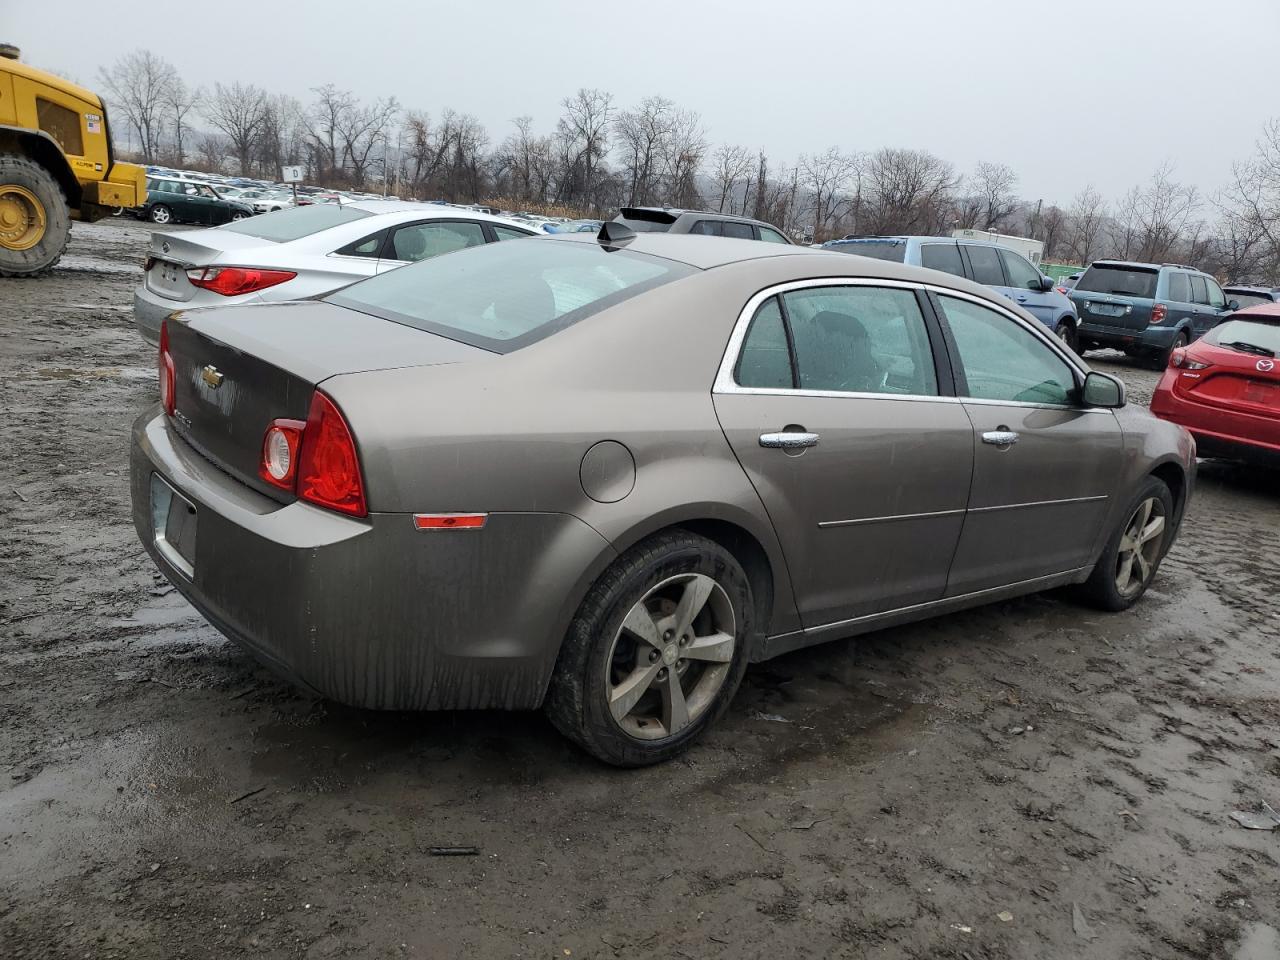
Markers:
point(56, 165)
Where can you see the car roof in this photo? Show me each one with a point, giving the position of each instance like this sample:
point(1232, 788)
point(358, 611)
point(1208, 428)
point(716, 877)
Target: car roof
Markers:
point(434, 211)
point(1250, 287)
point(1267, 311)
point(677, 212)
point(708, 253)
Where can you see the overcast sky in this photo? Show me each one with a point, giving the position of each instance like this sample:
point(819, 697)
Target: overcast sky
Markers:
point(1084, 91)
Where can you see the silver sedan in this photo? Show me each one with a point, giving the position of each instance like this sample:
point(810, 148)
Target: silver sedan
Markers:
point(301, 252)
point(601, 475)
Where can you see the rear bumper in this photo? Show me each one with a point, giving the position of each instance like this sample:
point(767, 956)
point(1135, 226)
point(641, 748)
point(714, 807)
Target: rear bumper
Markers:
point(1219, 432)
point(149, 312)
point(1151, 339)
point(371, 612)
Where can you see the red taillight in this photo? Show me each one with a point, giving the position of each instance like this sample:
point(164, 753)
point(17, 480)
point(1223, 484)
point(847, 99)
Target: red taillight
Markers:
point(1158, 313)
point(279, 466)
point(1179, 358)
point(233, 281)
point(164, 367)
point(328, 471)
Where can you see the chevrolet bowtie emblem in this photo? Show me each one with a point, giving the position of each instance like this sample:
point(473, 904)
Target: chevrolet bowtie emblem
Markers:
point(211, 376)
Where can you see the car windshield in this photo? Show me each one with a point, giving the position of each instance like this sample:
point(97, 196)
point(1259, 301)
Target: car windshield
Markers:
point(296, 222)
point(1122, 281)
point(1247, 299)
point(1254, 333)
point(894, 250)
point(504, 296)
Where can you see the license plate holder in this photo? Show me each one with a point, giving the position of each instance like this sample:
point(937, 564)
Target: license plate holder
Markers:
point(1107, 309)
point(173, 525)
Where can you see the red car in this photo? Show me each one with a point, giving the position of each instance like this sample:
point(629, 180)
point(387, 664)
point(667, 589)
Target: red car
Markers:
point(1225, 387)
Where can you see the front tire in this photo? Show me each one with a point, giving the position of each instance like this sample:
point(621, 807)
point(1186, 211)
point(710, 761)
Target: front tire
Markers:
point(35, 224)
point(1133, 552)
point(656, 651)
point(160, 214)
point(238, 216)
point(1066, 332)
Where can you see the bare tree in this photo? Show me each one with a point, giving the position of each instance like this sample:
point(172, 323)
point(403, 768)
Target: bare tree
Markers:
point(179, 101)
point(906, 191)
point(732, 166)
point(139, 84)
point(1253, 205)
point(582, 133)
point(211, 149)
point(685, 155)
point(522, 158)
point(325, 119)
point(1086, 219)
point(827, 177)
point(1150, 220)
point(238, 110)
point(282, 134)
point(644, 141)
point(1053, 224)
point(363, 128)
point(994, 185)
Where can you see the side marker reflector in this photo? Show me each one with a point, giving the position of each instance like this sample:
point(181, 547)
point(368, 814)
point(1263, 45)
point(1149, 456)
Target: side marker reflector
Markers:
point(449, 521)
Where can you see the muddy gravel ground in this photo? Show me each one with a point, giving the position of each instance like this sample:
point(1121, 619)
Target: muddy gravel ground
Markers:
point(1026, 780)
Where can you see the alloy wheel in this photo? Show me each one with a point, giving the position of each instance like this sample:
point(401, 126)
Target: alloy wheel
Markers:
point(1140, 547)
point(670, 657)
point(160, 215)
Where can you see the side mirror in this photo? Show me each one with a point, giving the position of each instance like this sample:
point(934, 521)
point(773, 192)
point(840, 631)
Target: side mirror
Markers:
point(1046, 283)
point(1102, 390)
point(1233, 305)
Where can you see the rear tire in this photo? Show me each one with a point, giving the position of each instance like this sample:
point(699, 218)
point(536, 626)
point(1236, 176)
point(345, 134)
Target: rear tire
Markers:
point(1161, 360)
point(238, 216)
point(160, 214)
point(1133, 552)
point(35, 222)
point(612, 692)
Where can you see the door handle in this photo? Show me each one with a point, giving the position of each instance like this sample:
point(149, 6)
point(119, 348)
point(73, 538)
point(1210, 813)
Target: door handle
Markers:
point(1004, 437)
point(788, 441)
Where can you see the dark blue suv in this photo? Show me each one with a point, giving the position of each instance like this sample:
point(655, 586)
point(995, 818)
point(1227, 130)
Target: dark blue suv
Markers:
point(1004, 270)
point(1147, 310)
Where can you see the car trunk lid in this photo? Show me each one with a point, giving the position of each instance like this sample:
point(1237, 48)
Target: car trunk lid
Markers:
point(1234, 379)
point(172, 254)
point(236, 369)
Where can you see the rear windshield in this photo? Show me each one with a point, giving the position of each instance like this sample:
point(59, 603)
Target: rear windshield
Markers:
point(1264, 336)
point(1247, 299)
point(296, 222)
point(1121, 281)
point(895, 250)
point(503, 296)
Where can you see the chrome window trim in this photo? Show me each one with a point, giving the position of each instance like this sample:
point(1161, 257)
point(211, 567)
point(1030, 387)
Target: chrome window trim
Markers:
point(724, 382)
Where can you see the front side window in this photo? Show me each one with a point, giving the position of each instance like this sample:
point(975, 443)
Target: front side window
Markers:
point(772, 236)
point(1021, 274)
point(1001, 360)
point(942, 256)
point(502, 296)
point(986, 265)
point(1216, 299)
point(422, 241)
point(846, 339)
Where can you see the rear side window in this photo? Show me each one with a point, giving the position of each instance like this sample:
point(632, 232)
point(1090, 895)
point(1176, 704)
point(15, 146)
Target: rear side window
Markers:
point(765, 360)
point(503, 296)
point(508, 233)
point(1179, 288)
point(848, 339)
point(422, 241)
point(707, 228)
point(740, 231)
point(368, 247)
point(985, 263)
point(894, 251)
point(942, 256)
point(1119, 280)
point(296, 222)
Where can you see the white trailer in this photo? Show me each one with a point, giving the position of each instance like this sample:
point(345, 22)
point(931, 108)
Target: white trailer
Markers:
point(1033, 250)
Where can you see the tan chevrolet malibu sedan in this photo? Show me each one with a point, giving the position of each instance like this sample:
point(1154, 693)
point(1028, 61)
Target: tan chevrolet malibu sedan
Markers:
point(602, 474)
